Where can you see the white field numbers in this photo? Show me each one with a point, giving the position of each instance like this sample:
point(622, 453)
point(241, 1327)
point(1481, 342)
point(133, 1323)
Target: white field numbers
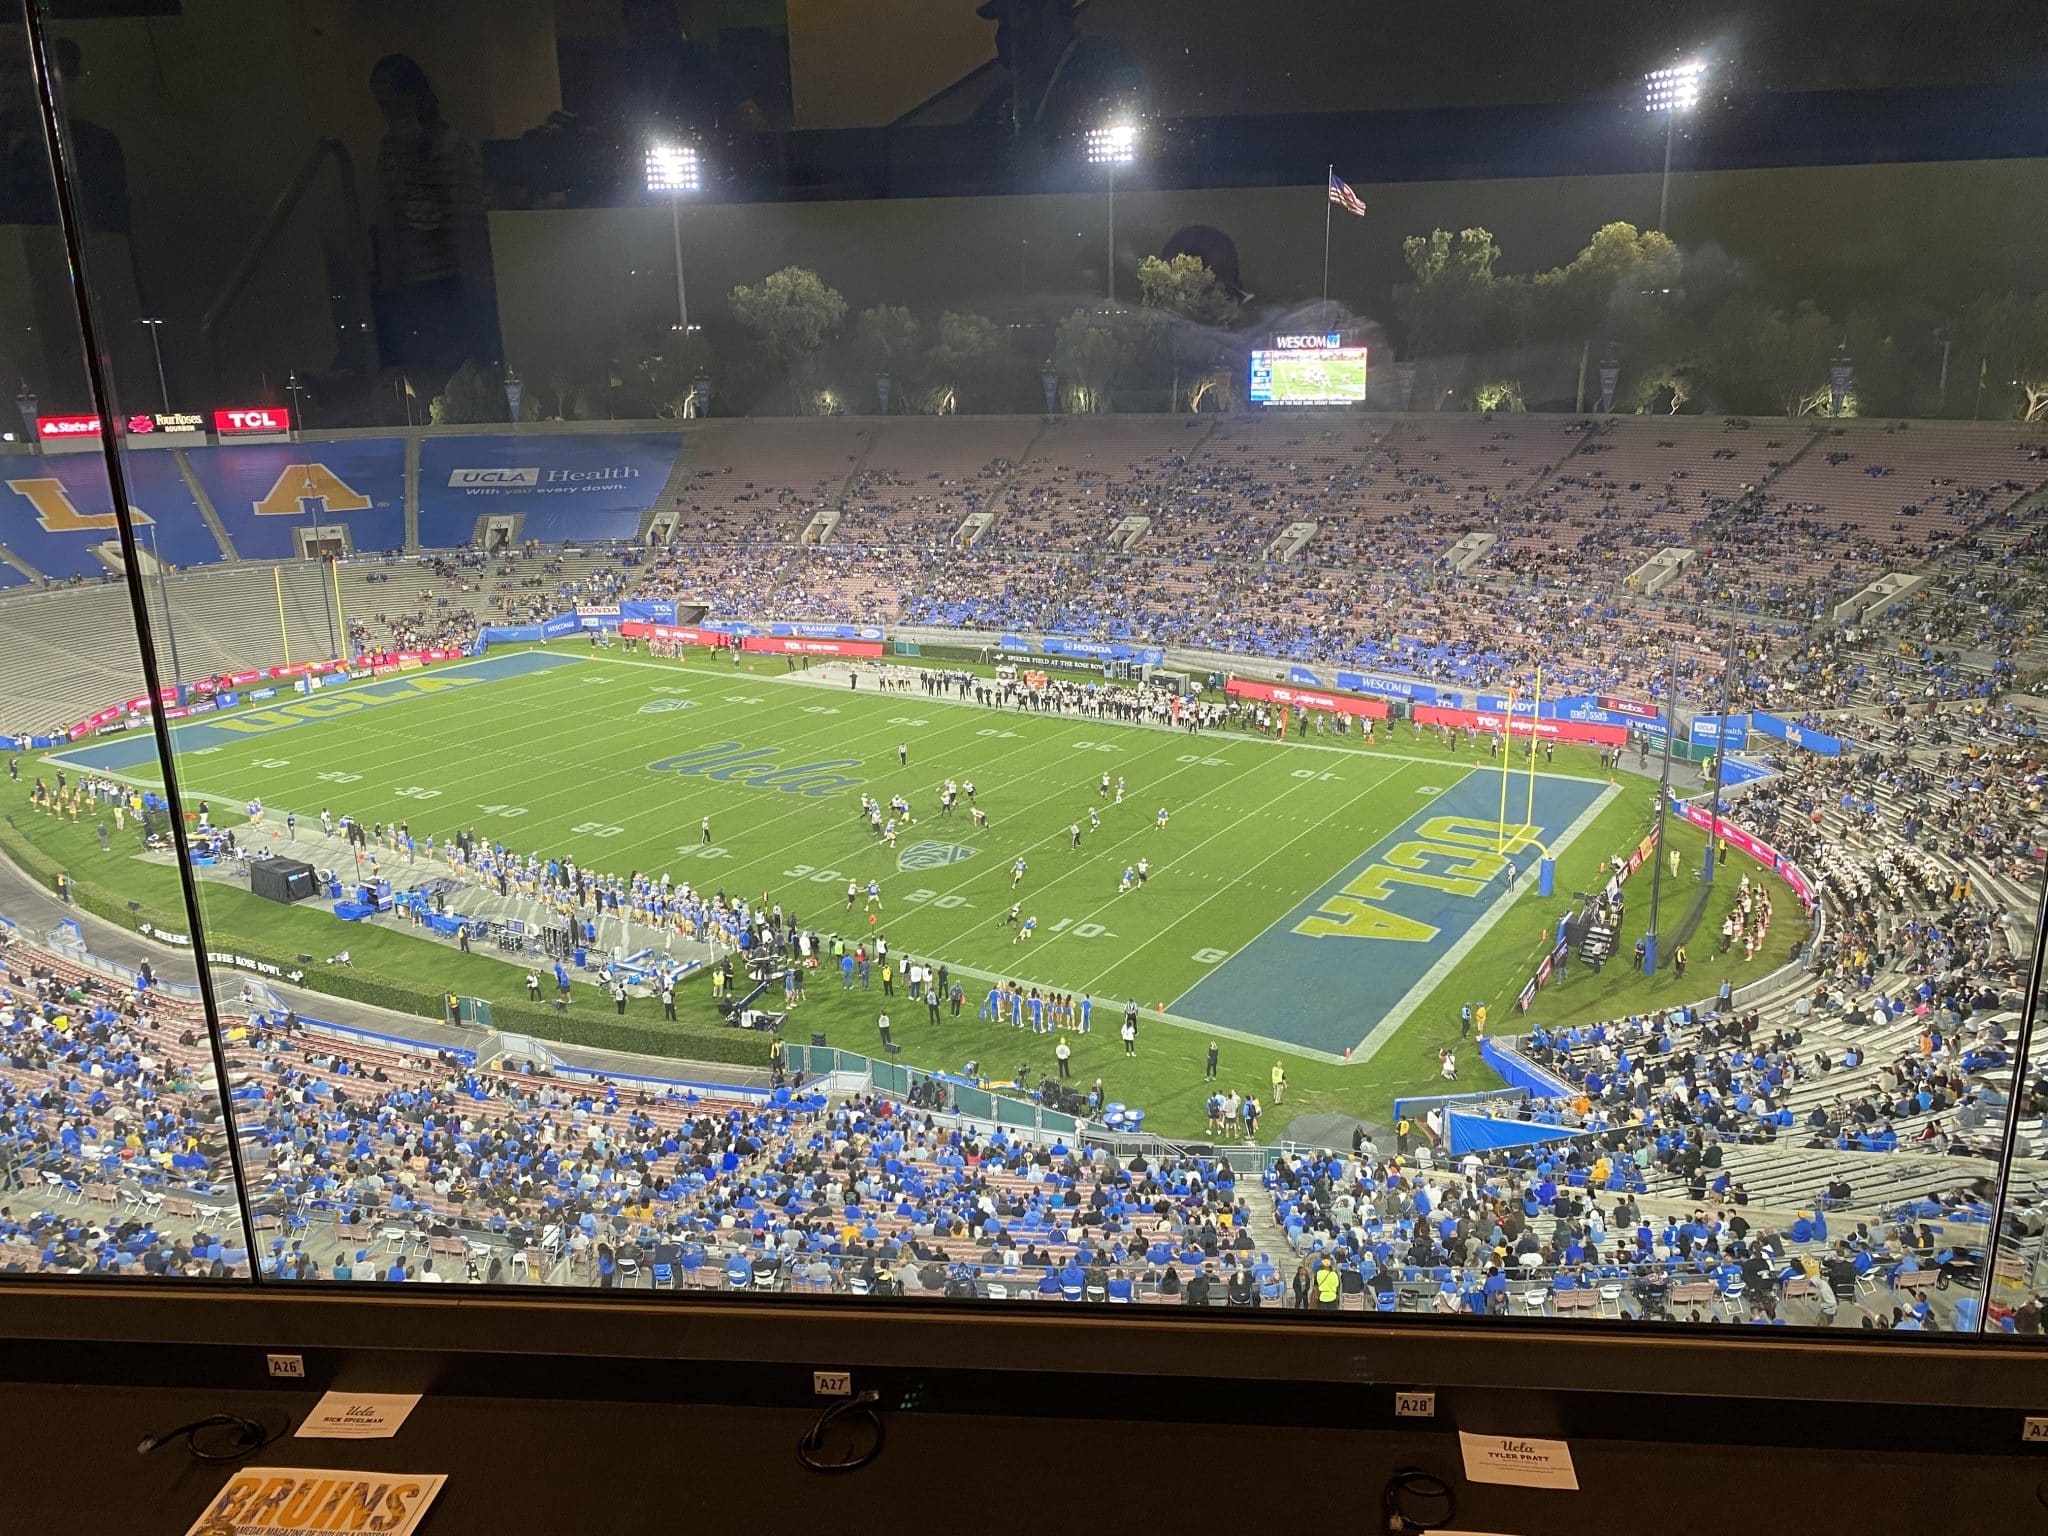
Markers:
point(416, 792)
point(701, 851)
point(507, 811)
point(596, 829)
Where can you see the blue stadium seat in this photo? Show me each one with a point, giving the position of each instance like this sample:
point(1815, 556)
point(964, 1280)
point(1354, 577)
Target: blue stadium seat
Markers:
point(262, 491)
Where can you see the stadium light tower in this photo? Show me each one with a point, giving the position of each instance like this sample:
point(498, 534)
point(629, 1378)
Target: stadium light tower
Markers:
point(674, 171)
point(1110, 146)
point(1672, 93)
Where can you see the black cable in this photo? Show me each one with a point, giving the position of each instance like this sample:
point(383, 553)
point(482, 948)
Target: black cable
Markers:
point(860, 1407)
point(1415, 1500)
point(242, 1437)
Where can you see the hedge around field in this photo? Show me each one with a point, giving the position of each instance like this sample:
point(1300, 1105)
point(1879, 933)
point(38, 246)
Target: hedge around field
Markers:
point(608, 1032)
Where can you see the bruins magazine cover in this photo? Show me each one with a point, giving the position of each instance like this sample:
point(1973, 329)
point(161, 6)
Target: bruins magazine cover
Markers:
point(294, 1501)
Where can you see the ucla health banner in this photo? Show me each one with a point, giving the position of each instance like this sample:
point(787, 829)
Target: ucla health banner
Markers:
point(1731, 734)
point(264, 491)
point(1796, 735)
point(568, 489)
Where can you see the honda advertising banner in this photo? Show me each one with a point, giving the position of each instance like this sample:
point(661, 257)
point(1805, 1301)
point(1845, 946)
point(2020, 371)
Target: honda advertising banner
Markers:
point(568, 489)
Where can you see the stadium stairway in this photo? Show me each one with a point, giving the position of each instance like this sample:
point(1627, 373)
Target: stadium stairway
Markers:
point(204, 502)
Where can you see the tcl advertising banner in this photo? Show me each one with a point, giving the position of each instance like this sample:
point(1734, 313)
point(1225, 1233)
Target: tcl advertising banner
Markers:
point(1521, 725)
point(1306, 698)
point(253, 421)
point(795, 645)
point(681, 634)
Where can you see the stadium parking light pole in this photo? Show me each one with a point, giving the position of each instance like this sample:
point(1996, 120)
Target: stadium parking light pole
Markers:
point(57, 134)
point(156, 345)
point(676, 171)
point(1671, 92)
point(1109, 147)
point(1663, 805)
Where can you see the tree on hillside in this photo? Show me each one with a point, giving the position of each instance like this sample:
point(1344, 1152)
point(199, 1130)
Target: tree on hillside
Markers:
point(472, 394)
point(1088, 349)
point(2006, 337)
point(793, 312)
point(1767, 361)
point(1619, 293)
point(1197, 312)
point(966, 362)
point(886, 339)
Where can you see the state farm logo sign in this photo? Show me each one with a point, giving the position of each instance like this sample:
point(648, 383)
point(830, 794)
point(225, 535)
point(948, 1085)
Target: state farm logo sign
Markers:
point(251, 419)
point(491, 479)
point(67, 426)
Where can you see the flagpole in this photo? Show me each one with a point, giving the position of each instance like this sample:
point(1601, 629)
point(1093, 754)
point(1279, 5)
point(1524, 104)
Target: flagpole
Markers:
point(1329, 176)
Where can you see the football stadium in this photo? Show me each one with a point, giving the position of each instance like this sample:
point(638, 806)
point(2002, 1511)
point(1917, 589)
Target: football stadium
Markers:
point(757, 812)
point(1073, 792)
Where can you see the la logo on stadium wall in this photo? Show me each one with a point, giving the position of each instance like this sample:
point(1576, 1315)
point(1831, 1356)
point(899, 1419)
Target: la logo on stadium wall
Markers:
point(298, 484)
point(56, 513)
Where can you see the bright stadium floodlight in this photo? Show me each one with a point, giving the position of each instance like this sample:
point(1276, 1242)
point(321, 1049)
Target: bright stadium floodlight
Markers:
point(1116, 144)
point(672, 168)
point(1676, 89)
point(1671, 93)
point(1110, 146)
point(675, 171)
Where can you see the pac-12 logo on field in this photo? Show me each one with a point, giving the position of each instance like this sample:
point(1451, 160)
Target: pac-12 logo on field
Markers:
point(933, 855)
point(661, 706)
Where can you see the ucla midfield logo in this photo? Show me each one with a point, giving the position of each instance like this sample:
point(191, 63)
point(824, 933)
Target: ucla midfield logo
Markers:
point(929, 855)
point(663, 706)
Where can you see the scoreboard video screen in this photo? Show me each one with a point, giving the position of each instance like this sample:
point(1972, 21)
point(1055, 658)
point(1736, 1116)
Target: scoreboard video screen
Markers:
point(1308, 370)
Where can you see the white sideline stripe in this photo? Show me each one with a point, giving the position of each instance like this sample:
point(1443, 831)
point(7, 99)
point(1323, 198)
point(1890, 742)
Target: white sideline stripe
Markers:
point(1115, 1014)
point(1396, 1016)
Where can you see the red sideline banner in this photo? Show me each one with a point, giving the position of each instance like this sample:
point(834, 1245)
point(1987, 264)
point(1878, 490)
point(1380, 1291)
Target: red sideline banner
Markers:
point(394, 659)
point(1306, 698)
point(791, 645)
point(1756, 848)
point(1521, 725)
point(682, 634)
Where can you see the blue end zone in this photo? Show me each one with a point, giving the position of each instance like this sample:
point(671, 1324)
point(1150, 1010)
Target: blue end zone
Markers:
point(1329, 970)
point(137, 749)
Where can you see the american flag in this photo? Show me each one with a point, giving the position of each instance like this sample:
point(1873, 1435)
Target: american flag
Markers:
point(1342, 195)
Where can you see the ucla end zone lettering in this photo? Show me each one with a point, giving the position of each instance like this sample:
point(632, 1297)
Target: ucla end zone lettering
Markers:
point(733, 762)
point(1322, 975)
point(137, 752)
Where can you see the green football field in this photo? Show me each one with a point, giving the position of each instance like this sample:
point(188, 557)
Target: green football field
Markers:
point(1319, 379)
point(615, 761)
